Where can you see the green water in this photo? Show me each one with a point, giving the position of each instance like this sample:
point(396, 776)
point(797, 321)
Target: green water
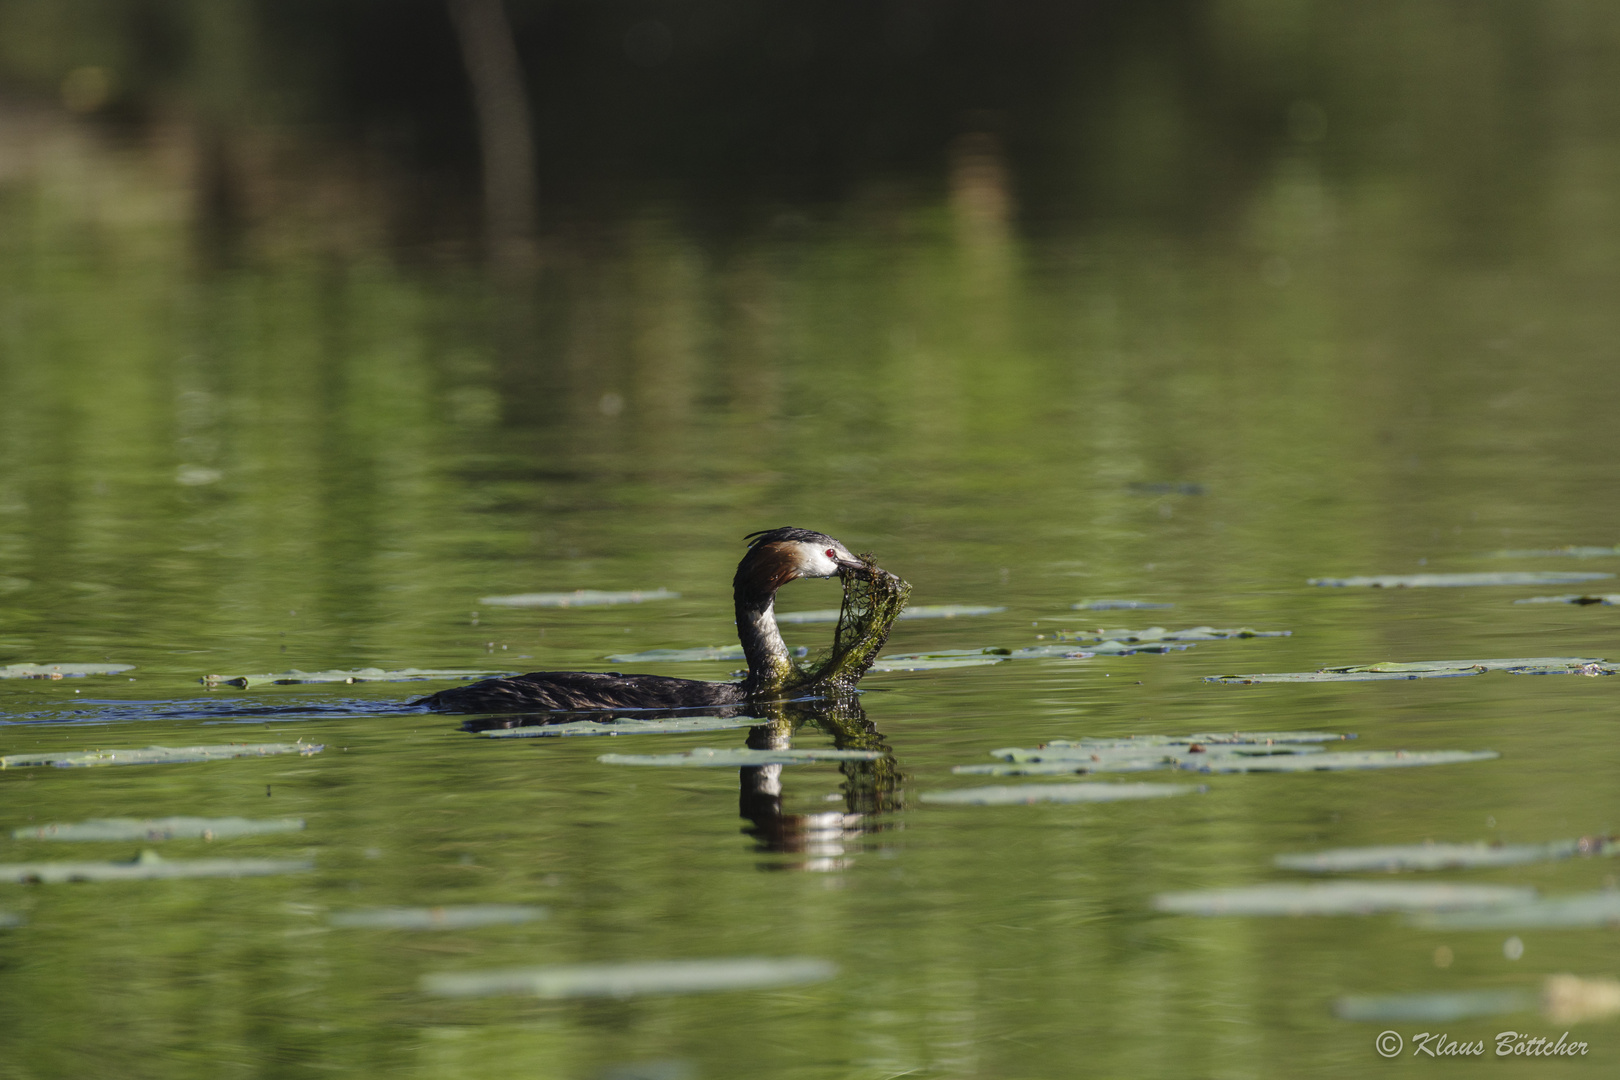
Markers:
point(322, 463)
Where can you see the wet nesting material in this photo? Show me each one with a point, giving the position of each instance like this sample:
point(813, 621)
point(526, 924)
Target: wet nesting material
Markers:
point(707, 757)
point(1441, 581)
point(156, 829)
point(1578, 599)
point(873, 600)
point(61, 671)
point(459, 917)
point(157, 755)
point(361, 675)
point(623, 726)
point(578, 598)
point(921, 611)
point(1027, 794)
point(632, 980)
point(1396, 857)
point(1592, 909)
point(1429, 669)
point(1341, 898)
point(148, 866)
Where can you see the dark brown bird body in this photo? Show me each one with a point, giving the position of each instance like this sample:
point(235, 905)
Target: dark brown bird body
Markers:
point(774, 558)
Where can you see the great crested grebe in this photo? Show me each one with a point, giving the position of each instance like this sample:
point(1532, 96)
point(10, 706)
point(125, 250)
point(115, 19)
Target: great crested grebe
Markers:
point(774, 558)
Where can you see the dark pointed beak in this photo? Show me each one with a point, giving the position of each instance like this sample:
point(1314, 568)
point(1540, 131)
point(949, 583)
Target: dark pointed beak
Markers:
point(849, 562)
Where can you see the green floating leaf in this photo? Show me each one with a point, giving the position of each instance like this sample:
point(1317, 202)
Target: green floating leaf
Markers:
point(1395, 857)
point(1159, 633)
point(148, 866)
point(1059, 652)
point(154, 829)
point(1579, 599)
point(1435, 1008)
point(622, 726)
point(934, 661)
point(688, 656)
point(1434, 581)
point(1425, 669)
point(1591, 909)
point(1359, 759)
point(1341, 898)
point(156, 755)
point(709, 758)
point(362, 675)
point(1570, 551)
point(1118, 605)
point(632, 980)
point(578, 598)
point(60, 671)
point(463, 917)
point(1055, 760)
point(921, 611)
point(1022, 794)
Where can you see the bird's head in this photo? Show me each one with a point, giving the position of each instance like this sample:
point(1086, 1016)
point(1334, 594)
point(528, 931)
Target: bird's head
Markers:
point(778, 556)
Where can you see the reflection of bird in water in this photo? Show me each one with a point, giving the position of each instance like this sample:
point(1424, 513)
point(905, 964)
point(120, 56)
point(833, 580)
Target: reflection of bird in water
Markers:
point(775, 557)
point(871, 790)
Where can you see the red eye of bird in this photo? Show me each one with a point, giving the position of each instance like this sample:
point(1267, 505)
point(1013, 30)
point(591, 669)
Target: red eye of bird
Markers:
point(832, 554)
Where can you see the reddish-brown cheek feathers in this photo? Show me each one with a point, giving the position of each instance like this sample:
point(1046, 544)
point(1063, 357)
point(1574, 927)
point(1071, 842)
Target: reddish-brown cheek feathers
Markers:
point(776, 565)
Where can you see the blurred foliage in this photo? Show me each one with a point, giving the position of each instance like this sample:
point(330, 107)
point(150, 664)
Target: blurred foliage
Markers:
point(1169, 111)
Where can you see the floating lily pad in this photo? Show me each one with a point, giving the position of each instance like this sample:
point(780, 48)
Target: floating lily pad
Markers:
point(1600, 908)
point(578, 598)
point(945, 658)
point(154, 829)
point(157, 755)
point(632, 980)
point(1053, 652)
point(1341, 898)
point(149, 865)
point(623, 726)
point(1395, 857)
point(1569, 551)
point(60, 671)
point(1435, 1008)
point(1578, 599)
point(1359, 759)
point(1097, 759)
point(463, 917)
point(1435, 581)
point(1422, 669)
point(1159, 633)
point(1118, 605)
point(688, 656)
point(921, 611)
point(708, 758)
point(362, 675)
point(1022, 794)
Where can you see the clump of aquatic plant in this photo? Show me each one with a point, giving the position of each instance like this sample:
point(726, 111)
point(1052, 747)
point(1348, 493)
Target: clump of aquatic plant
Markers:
point(873, 600)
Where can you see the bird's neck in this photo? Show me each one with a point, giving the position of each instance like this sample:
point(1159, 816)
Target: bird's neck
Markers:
point(770, 667)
